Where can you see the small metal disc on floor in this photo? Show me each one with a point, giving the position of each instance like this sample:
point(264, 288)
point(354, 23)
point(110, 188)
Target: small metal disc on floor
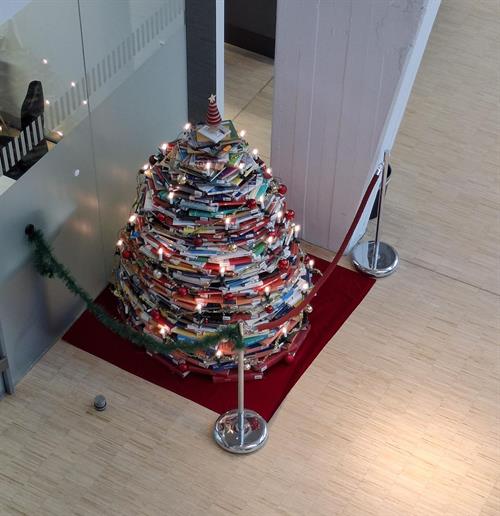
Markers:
point(228, 436)
point(100, 403)
point(380, 266)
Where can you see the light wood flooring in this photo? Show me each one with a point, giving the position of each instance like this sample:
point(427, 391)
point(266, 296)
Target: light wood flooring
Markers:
point(399, 415)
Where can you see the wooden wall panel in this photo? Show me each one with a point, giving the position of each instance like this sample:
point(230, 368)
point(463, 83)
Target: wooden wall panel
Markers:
point(325, 130)
point(338, 69)
point(297, 61)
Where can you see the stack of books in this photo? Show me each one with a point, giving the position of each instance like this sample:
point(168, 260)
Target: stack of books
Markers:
point(211, 242)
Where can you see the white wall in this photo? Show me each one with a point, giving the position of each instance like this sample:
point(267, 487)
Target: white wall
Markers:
point(342, 81)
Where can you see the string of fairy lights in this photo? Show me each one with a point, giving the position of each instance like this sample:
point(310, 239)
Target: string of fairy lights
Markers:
point(212, 242)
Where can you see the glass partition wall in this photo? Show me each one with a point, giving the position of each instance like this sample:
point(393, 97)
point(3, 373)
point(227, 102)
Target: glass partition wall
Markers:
point(135, 59)
point(88, 90)
point(42, 85)
point(61, 60)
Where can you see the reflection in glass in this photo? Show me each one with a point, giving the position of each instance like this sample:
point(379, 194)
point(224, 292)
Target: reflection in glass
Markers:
point(44, 92)
point(41, 82)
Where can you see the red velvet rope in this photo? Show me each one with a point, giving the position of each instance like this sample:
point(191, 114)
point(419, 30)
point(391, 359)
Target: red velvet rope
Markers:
point(333, 263)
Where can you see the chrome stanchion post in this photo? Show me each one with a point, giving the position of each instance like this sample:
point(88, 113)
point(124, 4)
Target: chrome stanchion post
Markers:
point(240, 430)
point(241, 397)
point(373, 257)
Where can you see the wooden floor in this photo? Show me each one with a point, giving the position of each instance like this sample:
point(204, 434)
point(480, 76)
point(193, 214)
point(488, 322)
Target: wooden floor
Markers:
point(397, 416)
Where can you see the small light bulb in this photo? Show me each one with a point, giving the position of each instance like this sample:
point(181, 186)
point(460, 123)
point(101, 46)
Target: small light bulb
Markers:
point(45, 61)
point(85, 102)
point(47, 102)
point(279, 215)
point(163, 147)
point(311, 264)
point(60, 133)
point(241, 166)
point(1, 128)
point(270, 171)
point(73, 84)
point(119, 243)
point(163, 331)
point(261, 200)
point(285, 331)
point(148, 173)
point(187, 126)
point(255, 152)
point(267, 290)
point(208, 166)
point(132, 218)
point(270, 239)
point(218, 353)
point(222, 270)
point(160, 253)
point(304, 286)
point(296, 229)
point(242, 133)
point(227, 222)
point(171, 196)
point(199, 307)
point(145, 166)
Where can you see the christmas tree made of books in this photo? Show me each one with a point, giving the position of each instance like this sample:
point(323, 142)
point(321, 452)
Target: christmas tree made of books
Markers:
point(211, 243)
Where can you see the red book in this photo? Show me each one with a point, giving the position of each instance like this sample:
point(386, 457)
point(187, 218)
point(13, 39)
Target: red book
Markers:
point(211, 266)
point(230, 203)
point(240, 261)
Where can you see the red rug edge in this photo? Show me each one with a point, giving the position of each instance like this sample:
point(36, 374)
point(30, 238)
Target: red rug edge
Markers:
point(287, 379)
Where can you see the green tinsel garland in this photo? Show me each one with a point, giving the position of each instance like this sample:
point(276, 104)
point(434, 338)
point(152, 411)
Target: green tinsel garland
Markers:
point(47, 265)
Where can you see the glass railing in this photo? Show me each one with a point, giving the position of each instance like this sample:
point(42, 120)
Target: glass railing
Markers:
point(60, 61)
point(42, 86)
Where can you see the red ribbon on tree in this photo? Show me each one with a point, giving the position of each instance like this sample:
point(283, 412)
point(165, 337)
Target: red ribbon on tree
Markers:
point(282, 320)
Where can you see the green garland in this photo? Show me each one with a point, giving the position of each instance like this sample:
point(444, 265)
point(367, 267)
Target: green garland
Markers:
point(47, 265)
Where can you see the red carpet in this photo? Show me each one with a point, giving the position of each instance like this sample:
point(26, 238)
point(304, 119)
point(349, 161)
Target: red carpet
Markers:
point(336, 300)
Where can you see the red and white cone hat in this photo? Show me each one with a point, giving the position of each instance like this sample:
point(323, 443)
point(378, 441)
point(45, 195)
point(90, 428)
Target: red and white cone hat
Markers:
point(213, 115)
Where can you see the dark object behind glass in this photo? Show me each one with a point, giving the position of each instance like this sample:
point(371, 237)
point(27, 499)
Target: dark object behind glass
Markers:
point(251, 25)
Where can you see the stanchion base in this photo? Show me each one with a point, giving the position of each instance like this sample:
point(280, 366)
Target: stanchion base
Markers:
point(386, 263)
point(227, 435)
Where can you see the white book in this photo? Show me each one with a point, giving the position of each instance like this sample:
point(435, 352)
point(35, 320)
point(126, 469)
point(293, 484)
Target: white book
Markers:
point(214, 133)
point(148, 201)
point(204, 282)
